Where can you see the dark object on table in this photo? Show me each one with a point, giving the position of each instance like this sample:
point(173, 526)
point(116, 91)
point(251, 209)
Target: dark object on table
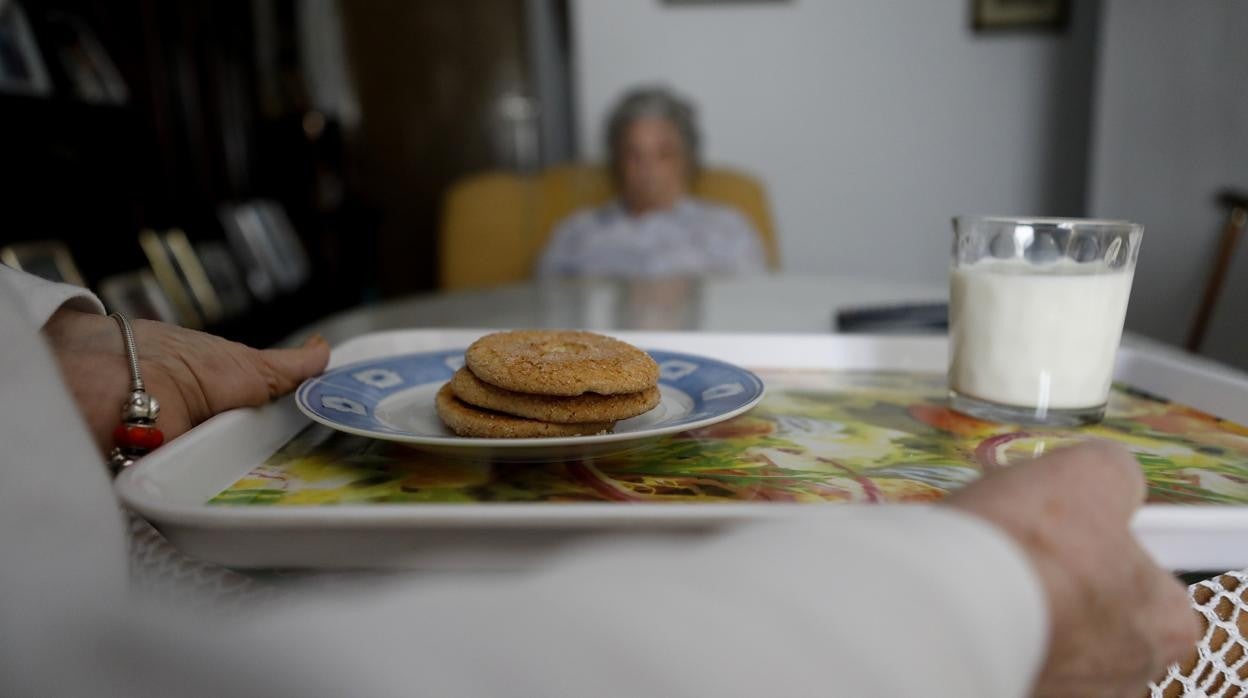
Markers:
point(1236, 205)
point(909, 318)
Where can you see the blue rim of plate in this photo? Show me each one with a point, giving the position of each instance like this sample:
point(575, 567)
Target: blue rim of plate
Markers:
point(344, 398)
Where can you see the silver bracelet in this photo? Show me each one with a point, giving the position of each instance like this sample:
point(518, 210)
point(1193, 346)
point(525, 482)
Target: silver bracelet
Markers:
point(137, 434)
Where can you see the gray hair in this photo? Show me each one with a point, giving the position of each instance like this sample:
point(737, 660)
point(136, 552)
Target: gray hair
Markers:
point(654, 101)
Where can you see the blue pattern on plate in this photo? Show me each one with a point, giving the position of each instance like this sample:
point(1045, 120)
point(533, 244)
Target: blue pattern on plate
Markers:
point(348, 395)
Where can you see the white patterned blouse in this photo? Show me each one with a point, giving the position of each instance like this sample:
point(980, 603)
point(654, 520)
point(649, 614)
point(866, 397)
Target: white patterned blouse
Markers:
point(693, 237)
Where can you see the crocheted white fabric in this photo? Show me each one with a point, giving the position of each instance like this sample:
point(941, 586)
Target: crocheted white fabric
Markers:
point(159, 570)
point(1221, 666)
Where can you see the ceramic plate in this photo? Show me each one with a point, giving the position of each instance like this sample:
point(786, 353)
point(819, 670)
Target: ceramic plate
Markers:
point(392, 398)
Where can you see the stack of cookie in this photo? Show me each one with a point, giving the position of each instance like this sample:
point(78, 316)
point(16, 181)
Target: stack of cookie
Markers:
point(534, 383)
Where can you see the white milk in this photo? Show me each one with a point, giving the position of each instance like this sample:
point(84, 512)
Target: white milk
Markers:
point(1036, 335)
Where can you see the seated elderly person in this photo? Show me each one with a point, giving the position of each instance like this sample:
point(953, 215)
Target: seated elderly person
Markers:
point(655, 227)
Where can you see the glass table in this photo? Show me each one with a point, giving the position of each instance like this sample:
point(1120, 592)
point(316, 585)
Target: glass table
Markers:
point(772, 303)
point(778, 303)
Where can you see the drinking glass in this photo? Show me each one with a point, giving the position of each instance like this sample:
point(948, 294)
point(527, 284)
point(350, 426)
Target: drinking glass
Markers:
point(1036, 307)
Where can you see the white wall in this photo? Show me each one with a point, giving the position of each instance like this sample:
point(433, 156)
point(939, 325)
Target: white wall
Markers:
point(1172, 128)
point(870, 121)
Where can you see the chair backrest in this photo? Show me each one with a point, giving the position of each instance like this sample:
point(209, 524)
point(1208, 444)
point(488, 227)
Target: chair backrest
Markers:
point(495, 224)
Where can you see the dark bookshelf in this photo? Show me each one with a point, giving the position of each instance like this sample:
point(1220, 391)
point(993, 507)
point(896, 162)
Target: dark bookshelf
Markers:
point(191, 135)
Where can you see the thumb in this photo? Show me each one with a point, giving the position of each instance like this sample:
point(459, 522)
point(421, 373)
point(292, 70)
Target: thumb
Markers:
point(1093, 479)
point(287, 368)
point(1103, 472)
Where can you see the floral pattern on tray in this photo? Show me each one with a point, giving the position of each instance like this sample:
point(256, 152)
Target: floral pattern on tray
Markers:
point(819, 435)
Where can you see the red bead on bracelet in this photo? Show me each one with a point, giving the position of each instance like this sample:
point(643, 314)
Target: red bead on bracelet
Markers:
point(137, 437)
point(137, 434)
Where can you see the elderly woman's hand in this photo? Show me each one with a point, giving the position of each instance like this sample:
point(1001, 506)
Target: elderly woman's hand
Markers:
point(194, 375)
point(1116, 618)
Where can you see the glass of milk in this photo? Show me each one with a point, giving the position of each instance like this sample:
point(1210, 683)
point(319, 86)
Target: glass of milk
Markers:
point(1036, 307)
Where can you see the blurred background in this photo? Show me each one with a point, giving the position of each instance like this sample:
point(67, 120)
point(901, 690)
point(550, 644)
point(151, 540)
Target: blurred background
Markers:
point(249, 166)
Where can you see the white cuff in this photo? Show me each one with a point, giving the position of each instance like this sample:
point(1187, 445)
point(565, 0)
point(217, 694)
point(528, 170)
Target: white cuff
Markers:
point(954, 608)
point(42, 298)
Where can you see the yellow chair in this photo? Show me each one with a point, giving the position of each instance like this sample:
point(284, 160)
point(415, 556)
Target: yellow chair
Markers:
point(495, 224)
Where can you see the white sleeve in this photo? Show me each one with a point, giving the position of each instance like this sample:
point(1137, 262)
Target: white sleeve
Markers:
point(890, 602)
point(41, 298)
point(843, 600)
point(894, 601)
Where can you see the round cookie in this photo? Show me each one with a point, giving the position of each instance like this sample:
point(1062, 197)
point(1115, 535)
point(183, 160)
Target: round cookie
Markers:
point(561, 362)
point(579, 409)
point(466, 420)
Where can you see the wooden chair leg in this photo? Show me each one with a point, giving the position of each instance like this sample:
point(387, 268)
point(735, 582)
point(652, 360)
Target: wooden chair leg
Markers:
point(1236, 222)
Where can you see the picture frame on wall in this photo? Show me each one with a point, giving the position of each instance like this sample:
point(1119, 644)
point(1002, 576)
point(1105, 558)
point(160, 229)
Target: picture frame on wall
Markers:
point(724, 2)
point(1019, 15)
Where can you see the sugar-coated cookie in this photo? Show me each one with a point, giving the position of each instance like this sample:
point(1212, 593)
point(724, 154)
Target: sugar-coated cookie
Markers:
point(466, 420)
point(561, 362)
point(589, 407)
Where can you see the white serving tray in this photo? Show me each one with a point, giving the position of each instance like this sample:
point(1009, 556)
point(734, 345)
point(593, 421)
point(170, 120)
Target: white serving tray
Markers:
point(170, 487)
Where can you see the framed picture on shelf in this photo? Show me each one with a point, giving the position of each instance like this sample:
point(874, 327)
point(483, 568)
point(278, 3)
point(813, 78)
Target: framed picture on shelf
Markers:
point(138, 295)
point(173, 279)
point(46, 259)
point(225, 277)
point(1019, 15)
point(288, 258)
point(267, 245)
point(245, 231)
point(21, 67)
point(90, 70)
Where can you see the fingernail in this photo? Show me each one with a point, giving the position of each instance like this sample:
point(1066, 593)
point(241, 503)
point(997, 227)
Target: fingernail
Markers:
point(315, 340)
